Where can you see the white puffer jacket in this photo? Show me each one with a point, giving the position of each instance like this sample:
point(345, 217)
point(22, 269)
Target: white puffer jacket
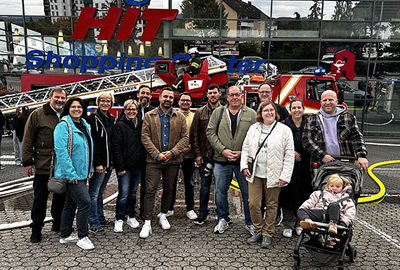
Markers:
point(280, 151)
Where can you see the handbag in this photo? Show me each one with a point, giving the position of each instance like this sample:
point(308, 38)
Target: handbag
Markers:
point(250, 160)
point(55, 184)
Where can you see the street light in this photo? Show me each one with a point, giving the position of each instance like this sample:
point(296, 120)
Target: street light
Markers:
point(160, 51)
point(141, 50)
point(130, 50)
point(16, 38)
point(60, 37)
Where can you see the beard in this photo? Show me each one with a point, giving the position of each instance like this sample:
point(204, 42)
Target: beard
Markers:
point(166, 104)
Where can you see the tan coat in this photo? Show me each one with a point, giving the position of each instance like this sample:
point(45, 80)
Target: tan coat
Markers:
point(151, 135)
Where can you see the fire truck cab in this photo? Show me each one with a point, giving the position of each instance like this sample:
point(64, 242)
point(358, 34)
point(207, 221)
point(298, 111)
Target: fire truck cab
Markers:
point(307, 87)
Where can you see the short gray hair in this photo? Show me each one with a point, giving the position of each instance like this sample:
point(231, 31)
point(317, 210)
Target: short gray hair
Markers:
point(57, 89)
point(130, 102)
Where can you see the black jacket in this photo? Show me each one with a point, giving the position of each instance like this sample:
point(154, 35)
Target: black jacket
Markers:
point(299, 188)
point(127, 147)
point(146, 110)
point(2, 123)
point(101, 128)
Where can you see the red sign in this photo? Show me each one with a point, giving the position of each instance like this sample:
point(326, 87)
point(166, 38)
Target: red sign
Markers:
point(343, 65)
point(108, 24)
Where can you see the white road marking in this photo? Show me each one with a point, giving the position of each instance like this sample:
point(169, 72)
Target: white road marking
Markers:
point(383, 235)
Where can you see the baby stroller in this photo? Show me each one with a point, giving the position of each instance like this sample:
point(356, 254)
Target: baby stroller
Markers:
point(323, 246)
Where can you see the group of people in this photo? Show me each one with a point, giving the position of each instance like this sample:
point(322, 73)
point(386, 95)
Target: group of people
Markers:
point(268, 152)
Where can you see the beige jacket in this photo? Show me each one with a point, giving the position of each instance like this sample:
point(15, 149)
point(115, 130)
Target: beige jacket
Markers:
point(151, 135)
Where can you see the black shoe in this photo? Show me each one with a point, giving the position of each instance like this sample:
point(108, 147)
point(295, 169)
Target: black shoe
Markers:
point(200, 219)
point(55, 228)
point(255, 238)
point(98, 231)
point(266, 241)
point(36, 236)
point(107, 222)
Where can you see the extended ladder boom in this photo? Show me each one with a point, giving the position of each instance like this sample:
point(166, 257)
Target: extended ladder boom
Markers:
point(115, 84)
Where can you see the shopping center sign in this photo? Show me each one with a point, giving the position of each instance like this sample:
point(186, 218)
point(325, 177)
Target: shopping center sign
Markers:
point(107, 26)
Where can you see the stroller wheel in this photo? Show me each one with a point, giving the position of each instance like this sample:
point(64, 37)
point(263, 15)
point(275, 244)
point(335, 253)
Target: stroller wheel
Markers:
point(353, 254)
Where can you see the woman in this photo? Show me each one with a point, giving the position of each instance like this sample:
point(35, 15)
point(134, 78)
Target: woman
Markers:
point(21, 122)
point(18, 154)
point(76, 169)
point(299, 188)
point(101, 123)
point(272, 168)
point(129, 160)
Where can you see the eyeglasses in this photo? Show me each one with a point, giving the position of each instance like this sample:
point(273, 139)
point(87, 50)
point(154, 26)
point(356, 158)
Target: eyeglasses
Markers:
point(185, 100)
point(265, 92)
point(105, 101)
point(235, 95)
point(131, 110)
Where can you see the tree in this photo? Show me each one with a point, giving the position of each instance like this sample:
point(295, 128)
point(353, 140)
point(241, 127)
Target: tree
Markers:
point(315, 10)
point(199, 10)
point(343, 11)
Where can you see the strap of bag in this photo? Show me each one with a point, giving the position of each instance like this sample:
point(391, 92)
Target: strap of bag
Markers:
point(69, 147)
point(219, 119)
point(259, 148)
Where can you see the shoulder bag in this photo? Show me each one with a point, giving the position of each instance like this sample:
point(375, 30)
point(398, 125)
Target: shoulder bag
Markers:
point(250, 160)
point(55, 184)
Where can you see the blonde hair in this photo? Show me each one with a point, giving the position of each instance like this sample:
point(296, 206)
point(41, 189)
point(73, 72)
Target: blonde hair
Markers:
point(105, 95)
point(338, 178)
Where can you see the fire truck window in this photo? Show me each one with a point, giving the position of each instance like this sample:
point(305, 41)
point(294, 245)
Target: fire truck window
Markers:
point(312, 91)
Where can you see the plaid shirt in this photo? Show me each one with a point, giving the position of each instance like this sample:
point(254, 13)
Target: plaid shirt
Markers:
point(351, 141)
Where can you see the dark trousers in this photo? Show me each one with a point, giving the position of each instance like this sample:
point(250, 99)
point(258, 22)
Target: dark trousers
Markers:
point(332, 213)
point(154, 171)
point(38, 212)
point(187, 169)
point(142, 191)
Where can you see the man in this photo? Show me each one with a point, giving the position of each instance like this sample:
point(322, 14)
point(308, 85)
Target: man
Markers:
point(37, 148)
point(202, 149)
point(333, 131)
point(2, 123)
point(185, 101)
point(144, 98)
point(193, 69)
point(164, 136)
point(265, 94)
point(226, 132)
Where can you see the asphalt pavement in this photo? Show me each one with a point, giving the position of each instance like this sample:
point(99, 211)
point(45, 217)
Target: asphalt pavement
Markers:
point(190, 246)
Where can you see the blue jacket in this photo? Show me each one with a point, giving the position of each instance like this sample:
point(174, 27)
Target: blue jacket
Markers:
point(77, 166)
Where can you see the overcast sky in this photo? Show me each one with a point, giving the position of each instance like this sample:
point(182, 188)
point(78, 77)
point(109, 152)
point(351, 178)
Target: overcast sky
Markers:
point(280, 9)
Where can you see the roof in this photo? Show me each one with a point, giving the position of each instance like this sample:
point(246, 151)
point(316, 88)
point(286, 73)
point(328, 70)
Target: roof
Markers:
point(245, 9)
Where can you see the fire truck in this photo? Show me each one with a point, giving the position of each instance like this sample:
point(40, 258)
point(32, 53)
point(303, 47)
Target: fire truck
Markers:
point(213, 71)
point(307, 87)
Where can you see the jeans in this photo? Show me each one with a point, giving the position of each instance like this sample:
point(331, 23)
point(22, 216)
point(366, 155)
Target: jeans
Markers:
point(97, 185)
point(187, 169)
point(205, 187)
point(127, 189)
point(223, 176)
point(38, 212)
point(154, 171)
point(77, 197)
point(16, 144)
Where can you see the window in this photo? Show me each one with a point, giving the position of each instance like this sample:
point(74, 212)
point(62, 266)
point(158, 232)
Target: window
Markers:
point(316, 87)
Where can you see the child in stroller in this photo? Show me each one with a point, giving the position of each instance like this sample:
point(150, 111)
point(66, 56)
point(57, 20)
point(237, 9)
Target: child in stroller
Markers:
point(337, 186)
point(334, 202)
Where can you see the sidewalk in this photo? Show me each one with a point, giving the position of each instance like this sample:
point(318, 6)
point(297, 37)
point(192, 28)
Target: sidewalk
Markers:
point(190, 246)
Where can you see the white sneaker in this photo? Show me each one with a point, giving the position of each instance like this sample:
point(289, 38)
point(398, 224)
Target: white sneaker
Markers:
point(146, 231)
point(170, 213)
point(191, 215)
point(73, 238)
point(164, 224)
point(133, 223)
point(298, 230)
point(118, 226)
point(287, 233)
point(221, 226)
point(85, 243)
